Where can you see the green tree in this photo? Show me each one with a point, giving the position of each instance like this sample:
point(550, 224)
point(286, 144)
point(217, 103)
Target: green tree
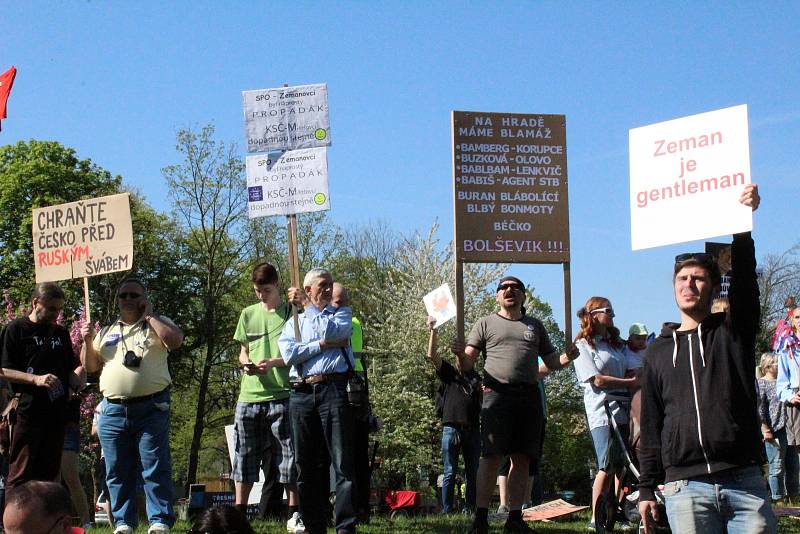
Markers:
point(403, 381)
point(208, 191)
point(34, 174)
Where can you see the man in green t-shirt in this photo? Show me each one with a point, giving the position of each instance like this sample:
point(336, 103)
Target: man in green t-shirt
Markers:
point(262, 424)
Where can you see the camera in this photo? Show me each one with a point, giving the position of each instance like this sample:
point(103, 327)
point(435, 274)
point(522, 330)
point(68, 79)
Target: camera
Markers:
point(132, 360)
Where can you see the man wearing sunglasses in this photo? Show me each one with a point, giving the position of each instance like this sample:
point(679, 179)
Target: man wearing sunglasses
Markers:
point(134, 423)
point(511, 414)
point(700, 430)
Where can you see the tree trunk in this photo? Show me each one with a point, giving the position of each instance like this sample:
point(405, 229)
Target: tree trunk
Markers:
point(199, 417)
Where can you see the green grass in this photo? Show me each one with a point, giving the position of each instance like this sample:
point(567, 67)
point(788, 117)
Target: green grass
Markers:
point(437, 524)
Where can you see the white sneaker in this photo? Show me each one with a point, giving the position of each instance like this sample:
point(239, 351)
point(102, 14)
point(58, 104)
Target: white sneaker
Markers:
point(295, 524)
point(123, 529)
point(157, 527)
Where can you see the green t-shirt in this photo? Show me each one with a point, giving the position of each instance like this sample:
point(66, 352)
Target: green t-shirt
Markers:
point(260, 330)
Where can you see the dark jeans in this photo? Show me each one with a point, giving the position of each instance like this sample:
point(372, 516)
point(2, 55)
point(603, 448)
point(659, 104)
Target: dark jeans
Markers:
point(454, 443)
point(322, 426)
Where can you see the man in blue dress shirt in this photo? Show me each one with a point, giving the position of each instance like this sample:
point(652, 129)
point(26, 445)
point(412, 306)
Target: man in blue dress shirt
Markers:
point(322, 420)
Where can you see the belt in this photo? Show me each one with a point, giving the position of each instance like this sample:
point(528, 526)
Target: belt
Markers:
point(135, 400)
point(330, 377)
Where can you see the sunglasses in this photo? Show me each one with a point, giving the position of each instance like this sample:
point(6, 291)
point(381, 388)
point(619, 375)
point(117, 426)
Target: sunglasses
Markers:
point(607, 311)
point(128, 296)
point(700, 257)
point(504, 287)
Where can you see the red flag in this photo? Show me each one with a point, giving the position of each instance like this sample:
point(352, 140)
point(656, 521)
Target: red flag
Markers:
point(6, 82)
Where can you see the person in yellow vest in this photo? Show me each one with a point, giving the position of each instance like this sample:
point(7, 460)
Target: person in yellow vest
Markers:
point(365, 422)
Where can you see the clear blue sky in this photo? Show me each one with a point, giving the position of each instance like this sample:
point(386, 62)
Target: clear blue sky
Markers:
point(116, 80)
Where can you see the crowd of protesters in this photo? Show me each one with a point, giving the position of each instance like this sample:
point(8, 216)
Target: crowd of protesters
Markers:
point(705, 419)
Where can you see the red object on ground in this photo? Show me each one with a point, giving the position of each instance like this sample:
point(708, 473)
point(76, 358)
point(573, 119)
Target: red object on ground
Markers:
point(6, 82)
point(401, 499)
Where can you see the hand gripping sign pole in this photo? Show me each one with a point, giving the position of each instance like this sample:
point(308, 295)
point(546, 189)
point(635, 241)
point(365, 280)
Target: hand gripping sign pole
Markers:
point(510, 195)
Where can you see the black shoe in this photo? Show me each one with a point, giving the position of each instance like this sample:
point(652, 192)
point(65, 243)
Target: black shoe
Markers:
point(479, 528)
point(518, 526)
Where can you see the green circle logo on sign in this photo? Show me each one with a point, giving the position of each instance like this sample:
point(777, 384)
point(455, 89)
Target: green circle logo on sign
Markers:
point(319, 198)
point(320, 134)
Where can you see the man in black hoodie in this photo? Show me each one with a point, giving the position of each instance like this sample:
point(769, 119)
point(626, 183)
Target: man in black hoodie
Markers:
point(700, 429)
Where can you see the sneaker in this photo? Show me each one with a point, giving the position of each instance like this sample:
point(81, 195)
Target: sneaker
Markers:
point(157, 527)
point(295, 524)
point(502, 509)
point(517, 527)
point(625, 527)
point(591, 527)
point(123, 529)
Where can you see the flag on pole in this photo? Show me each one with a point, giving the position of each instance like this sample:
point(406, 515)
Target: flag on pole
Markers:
point(6, 82)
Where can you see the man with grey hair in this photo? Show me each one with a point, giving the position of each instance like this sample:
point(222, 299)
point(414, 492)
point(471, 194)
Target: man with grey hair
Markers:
point(322, 420)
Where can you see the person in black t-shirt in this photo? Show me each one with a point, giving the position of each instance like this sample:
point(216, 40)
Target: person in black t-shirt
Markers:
point(459, 398)
point(37, 357)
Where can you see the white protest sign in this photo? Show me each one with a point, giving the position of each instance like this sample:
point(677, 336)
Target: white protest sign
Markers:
point(286, 118)
point(686, 178)
point(83, 238)
point(440, 304)
point(287, 183)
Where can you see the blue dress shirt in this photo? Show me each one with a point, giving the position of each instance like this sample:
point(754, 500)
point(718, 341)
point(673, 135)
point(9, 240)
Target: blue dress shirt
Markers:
point(329, 324)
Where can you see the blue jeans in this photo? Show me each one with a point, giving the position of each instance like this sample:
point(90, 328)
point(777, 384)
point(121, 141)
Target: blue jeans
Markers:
point(776, 455)
point(456, 441)
point(322, 429)
point(730, 502)
point(129, 434)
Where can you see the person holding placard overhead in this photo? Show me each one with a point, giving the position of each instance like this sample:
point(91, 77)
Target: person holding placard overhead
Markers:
point(701, 433)
point(135, 418)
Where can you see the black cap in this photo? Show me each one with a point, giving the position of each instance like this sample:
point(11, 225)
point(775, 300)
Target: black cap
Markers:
point(510, 279)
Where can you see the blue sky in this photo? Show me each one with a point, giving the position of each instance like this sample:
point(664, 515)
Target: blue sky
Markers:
point(116, 80)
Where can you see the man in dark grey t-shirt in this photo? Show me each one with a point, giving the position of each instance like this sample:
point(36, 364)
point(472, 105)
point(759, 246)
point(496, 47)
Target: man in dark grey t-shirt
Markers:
point(511, 342)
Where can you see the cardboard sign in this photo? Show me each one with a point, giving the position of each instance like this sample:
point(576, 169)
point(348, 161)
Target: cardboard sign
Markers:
point(550, 510)
point(510, 187)
point(287, 183)
point(686, 178)
point(440, 305)
point(286, 118)
point(83, 238)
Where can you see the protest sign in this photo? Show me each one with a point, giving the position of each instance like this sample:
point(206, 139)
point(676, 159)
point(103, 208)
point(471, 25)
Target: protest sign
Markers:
point(287, 183)
point(686, 176)
point(551, 510)
point(84, 238)
point(510, 187)
point(286, 118)
point(440, 305)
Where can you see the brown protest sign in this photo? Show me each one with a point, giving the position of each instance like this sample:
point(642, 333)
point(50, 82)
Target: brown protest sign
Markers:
point(510, 187)
point(83, 238)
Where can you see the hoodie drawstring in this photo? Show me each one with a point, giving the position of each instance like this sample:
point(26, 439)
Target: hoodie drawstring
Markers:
point(675, 350)
point(700, 341)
